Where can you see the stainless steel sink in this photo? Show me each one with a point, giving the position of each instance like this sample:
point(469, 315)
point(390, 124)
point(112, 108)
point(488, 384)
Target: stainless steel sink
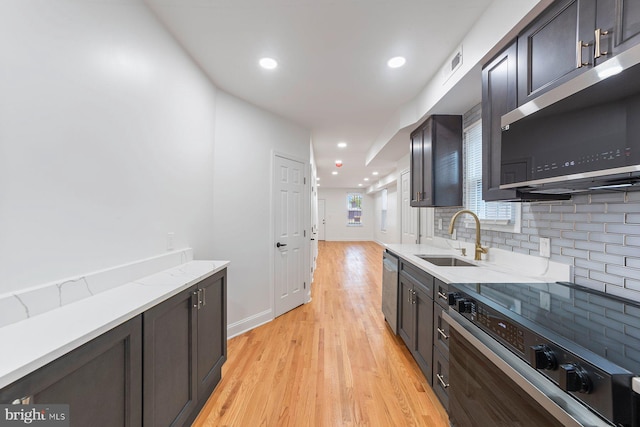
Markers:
point(446, 261)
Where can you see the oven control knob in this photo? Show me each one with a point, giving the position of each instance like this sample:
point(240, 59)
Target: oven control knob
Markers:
point(542, 357)
point(465, 306)
point(574, 378)
point(453, 297)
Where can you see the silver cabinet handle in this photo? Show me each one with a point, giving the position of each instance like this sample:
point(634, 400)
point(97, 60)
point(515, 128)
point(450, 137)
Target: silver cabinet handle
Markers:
point(599, 33)
point(441, 332)
point(579, 63)
point(196, 297)
point(441, 379)
point(204, 296)
point(443, 296)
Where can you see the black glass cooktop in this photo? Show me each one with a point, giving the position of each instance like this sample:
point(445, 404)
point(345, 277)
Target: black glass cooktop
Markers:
point(606, 325)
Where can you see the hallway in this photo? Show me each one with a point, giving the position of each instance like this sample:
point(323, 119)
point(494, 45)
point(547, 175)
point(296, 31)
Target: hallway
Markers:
point(331, 362)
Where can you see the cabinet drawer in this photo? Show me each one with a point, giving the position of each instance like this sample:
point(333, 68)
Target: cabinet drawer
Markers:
point(441, 378)
point(441, 293)
point(418, 276)
point(440, 331)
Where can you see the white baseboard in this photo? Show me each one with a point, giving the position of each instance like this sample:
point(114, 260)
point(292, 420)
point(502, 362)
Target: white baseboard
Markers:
point(244, 325)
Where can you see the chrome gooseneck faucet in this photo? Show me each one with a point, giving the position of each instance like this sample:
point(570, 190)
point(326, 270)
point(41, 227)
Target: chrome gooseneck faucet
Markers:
point(479, 249)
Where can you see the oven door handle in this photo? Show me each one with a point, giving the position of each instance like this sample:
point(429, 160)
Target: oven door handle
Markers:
point(526, 377)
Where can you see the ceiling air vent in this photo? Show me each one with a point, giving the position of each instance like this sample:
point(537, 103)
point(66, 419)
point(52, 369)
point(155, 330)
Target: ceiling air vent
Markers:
point(453, 63)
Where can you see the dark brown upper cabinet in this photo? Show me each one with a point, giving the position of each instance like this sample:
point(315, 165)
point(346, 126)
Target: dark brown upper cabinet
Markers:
point(548, 52)
point(436, 162)
point(617, 25)
point(499, 96)
point(570, 37)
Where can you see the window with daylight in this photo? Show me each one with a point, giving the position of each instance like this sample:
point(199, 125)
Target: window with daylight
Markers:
point(383, 213)
point(354, 209)
point(503, 216)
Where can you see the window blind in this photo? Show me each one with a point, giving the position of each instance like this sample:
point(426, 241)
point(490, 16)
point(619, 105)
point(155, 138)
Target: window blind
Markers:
point(472, 150)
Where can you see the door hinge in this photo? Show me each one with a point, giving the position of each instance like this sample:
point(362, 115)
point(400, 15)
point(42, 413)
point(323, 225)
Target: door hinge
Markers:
point(304, 233)
point(304, 180)
point(305, 285)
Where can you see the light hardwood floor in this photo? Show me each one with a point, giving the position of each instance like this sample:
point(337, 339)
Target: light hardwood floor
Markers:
point(332, 362)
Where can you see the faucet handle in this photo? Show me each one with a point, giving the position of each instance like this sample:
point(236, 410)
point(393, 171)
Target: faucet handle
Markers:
point(463, 251)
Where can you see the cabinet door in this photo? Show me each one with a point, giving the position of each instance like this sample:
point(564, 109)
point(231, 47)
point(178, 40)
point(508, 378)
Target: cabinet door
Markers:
point(499, 96)
point(423, 346)
point(446, 160)
point(212, 333)
point(405, 307)
point(426, 199)
point(170, 389)
point(548, 52)
point(416, 167)
point(440, 331)
point(101, 381)
point(618, 22)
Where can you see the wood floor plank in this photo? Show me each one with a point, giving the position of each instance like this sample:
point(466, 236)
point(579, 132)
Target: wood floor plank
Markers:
point(331, 362)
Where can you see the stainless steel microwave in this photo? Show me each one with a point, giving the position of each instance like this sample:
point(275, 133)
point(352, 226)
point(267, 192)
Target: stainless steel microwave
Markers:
point(581, 136)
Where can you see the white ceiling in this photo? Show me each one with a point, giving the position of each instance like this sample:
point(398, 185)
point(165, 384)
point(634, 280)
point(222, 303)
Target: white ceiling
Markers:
point(332, 75)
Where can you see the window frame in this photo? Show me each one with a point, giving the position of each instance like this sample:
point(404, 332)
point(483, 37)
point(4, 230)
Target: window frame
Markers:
point(349, 209)
point(513, 225)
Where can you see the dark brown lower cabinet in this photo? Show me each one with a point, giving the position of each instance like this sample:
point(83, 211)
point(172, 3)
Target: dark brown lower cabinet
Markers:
point(212, 334)
point(157, 369)
point(415, 306)
point(101, 381)
point(441, 377)
point(184, 349)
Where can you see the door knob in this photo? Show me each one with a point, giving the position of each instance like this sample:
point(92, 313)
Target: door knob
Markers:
point(280, 244)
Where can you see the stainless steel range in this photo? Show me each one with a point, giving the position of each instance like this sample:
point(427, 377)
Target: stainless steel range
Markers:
point(584, 343)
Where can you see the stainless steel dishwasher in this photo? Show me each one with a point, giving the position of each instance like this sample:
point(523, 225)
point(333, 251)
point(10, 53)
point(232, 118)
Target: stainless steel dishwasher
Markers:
point(390, 289)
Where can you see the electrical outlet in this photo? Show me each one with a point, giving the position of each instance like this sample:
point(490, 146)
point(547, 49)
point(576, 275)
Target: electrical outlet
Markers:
point(439, 223)
point(545, 247)
point(454, 234)
point(170, 237)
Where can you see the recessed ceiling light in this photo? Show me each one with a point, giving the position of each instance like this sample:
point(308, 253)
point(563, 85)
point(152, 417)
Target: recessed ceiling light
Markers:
point(366, 179)
point(359, 185)
point(317, 178)
point(334, 173)
point(396, 62)
point(374, 173)
point(268, 63)
point(342, 144)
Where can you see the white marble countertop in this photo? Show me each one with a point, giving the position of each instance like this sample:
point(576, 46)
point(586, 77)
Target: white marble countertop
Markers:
point(499, 267)
point(32, 343)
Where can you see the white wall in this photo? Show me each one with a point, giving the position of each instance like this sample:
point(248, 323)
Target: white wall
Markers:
point(246, 138)
point(111, 137)
point(392, 232)
point(106, 140)
point(336, 215)
point(500, 22)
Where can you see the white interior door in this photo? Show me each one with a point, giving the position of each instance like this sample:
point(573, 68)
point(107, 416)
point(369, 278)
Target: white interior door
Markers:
point(322, 223)
point(288, 197)
point(409, 215)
